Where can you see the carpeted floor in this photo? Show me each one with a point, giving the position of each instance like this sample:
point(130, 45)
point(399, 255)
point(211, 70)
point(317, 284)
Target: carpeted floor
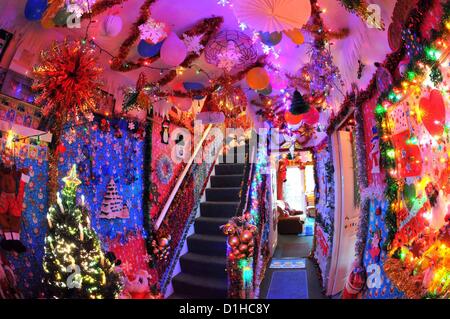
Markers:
point(298, 247)
point(288, 285)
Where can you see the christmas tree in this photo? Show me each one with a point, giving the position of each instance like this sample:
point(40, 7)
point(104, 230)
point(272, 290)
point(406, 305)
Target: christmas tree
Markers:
point(112, 202)
point(74, 264)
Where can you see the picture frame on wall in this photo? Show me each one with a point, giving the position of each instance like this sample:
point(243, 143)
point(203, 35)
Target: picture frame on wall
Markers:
point(5, 39)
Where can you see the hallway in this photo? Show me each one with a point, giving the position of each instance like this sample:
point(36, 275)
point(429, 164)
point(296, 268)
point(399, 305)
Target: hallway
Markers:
point(293, 246)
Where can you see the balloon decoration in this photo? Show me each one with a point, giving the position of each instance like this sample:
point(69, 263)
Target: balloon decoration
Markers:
point(173, 50)
point(271, 38)
point(149, 50)
point(295, 35)
point(274, 15)
point(182, 103)
point(433, 113)
point(231, 49)
point(35, 9)
point(112, 25)
point(257, 78)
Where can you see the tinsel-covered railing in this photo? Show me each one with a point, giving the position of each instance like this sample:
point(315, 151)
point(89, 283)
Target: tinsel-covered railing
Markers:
point(181, 213)
point(246, 244)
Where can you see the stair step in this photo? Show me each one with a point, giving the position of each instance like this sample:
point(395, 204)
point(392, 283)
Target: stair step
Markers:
point(229, 169)
point(220, 181)
point(201, 265)
point(209, 225)
point(200, 286)
point(218, 209)
point(207, 244)
point(229, 194)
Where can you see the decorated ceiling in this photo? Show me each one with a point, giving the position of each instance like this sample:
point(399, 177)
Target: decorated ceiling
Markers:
point(324, 49)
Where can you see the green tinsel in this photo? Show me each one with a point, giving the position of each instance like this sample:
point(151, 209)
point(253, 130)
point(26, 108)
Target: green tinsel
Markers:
point(436, 76)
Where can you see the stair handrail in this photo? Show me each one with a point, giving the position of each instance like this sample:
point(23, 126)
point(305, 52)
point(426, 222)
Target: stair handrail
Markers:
point(175, 189)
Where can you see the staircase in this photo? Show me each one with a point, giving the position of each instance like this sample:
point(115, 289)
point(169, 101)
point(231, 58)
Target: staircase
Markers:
point(203, 268)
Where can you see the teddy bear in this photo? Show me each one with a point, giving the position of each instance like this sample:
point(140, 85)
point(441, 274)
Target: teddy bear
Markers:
point(137, 286)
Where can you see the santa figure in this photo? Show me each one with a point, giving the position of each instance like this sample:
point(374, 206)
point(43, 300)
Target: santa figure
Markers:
point(12, 191)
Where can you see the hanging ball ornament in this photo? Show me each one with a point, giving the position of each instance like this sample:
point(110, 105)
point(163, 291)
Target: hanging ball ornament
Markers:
point(233, 241)
point(112, 25)
point(257, 78)
point(173, 50)
point(35, 9)
point(246, 236)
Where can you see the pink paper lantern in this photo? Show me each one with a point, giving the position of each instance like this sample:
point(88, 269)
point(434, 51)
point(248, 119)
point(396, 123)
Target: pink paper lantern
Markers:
point(173, 50)
point(112, 25)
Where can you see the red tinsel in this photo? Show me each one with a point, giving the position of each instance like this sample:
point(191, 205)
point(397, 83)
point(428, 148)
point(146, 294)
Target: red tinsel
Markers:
point(68, 80)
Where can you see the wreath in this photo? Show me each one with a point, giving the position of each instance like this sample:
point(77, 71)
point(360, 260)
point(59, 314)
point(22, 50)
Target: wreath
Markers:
point(164, 169)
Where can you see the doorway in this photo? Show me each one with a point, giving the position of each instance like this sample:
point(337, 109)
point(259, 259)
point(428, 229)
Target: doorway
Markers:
point(346, 215)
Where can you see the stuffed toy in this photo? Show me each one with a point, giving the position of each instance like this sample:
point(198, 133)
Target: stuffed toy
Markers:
point(8, 281)
point(137, 286)
point(12, 191)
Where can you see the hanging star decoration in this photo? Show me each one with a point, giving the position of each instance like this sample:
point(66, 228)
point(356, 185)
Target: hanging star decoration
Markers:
point(193, 43)
point(72, 180)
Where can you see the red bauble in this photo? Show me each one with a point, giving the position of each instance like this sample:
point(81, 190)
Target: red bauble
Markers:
point(433, 113)
point(243, 248)
point(246, 236)
point(233, 241)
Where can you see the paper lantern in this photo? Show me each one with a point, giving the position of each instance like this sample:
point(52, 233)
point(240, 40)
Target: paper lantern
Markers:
point(148, 50)
point(257, 78)
point(173, 50)
point(210, 113)
point(112, 25)
point(312, 116)
point(295, 35)
point(35, 9)
point(299, 105)
point(292, 119)
point(273, 15)
point(182, 103)
point(433, 113)
point(271, 38)
point(231, 49)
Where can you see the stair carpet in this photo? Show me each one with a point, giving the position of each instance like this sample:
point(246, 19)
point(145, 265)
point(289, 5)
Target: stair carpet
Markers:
point(203, 269)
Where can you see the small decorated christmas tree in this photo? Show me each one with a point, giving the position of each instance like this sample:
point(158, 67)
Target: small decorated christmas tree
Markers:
point(74, 264)
point(112, 204)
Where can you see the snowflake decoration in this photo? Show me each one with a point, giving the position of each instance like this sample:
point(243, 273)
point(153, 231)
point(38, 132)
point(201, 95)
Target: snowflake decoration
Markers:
point(243, 26)
point(131, 126)
point(229, 58)
point(71, 136)
point(223, 2)
point(153, 30)
point(193, 43)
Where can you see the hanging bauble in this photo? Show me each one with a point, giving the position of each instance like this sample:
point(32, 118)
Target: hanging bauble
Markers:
point(295, 35)
point(60, 18)
point(312, 116)
point(194, 86)
point(173, 50)
point(112, 25)
point(266, 91)
point(147, 50)
point(257, 78)
point(433, 113)
point(270, 38)
point(298, 105)
point(182, 103)
point(233, 241)
point(35, 9)
point(384, 78)
point(246, 236)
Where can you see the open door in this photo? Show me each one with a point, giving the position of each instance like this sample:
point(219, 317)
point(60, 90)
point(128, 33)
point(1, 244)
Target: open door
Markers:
point(346, 212)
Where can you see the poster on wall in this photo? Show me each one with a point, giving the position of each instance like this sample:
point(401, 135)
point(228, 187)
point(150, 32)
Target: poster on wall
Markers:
point(5, 39)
